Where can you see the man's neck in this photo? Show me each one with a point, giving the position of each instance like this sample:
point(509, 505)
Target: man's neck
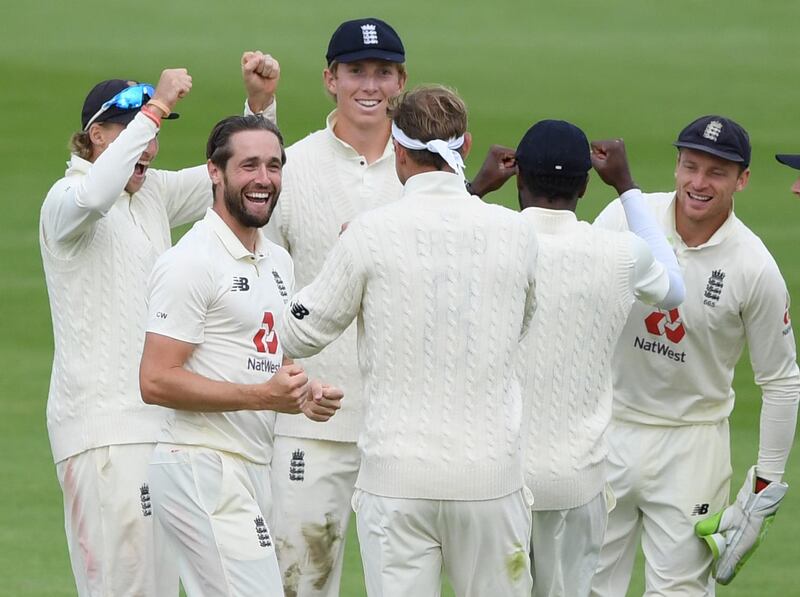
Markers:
point(246, 234)
point(526, 201)
point(367, 141)
point(694, 234)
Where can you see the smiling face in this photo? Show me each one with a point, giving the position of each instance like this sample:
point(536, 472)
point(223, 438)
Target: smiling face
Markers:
point(362, 90)
point(704, 187)
point(248, 187)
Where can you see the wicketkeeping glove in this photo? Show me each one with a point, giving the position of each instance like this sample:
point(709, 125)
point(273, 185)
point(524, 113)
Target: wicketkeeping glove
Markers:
point(733, 534)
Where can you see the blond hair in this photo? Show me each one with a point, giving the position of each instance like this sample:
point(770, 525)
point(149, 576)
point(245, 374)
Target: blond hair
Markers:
point(426, 113)
point(81, 145)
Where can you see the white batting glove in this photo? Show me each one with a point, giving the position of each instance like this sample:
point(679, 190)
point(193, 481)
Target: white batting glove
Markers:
point(733, 534)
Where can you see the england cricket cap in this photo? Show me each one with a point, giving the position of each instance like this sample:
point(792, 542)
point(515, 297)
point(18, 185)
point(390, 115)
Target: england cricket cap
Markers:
point(555, 148)
point(100, 94)
point(718, 136)
point(364, 39)
point(791, 160)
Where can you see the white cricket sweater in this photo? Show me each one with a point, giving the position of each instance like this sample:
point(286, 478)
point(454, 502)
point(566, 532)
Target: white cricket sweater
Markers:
point(325, 184)
point(98, 246)
point(587, 279)
point(442, 286)
point(676, 368)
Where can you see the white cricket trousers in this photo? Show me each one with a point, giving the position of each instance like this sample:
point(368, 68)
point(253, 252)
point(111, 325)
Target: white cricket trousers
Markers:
point(212, 507)
point(665, 480)
point(110, 527)
point(565, 547)
point(312, 485)
point(481, 545)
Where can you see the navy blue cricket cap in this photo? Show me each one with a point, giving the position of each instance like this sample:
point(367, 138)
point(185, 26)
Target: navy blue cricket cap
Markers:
point(104, 91)
point(554, 148)
point(364, 39)
point(719, 136)
point(788, 159)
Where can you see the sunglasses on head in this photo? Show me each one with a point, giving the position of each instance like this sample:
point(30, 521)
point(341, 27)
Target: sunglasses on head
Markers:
point(127, 99)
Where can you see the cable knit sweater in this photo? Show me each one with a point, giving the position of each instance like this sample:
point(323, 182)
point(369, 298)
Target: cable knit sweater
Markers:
point(442, 286)
point(325, 184)
point(98, 246)
point(586, 282)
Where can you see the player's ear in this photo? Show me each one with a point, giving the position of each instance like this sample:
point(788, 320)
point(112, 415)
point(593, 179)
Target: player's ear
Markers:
point(465, 149)
point(214, 173)
point(329, 80)
point(743, 179)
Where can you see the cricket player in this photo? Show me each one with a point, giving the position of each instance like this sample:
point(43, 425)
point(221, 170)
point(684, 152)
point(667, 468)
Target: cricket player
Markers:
point(102, 227)
point(332, 175)
point(212, 354)
point(442, 287)
point(587, 279)
point(669, 445)
point(793, 161)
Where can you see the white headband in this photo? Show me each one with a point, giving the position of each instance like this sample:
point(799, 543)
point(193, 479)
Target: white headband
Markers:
point(446, 149)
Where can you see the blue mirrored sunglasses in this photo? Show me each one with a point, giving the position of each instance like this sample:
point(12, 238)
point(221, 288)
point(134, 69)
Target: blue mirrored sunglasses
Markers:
point(127, 99)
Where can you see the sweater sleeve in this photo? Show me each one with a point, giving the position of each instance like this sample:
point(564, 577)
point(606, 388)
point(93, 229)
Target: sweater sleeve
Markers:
point(186, 193)
point(70, 209)
point(774, 360)
point(321, 311)
point(642, 223)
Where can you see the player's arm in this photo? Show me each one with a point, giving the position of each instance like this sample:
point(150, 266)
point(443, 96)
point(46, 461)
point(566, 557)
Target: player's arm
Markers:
point(321, 311)
point(657, 281)
point(165, 381)
point(734, 533)
point(181, 292)
point(260, 74)
point(498, 166)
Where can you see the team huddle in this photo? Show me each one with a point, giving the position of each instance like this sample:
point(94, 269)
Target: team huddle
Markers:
point(518, 400)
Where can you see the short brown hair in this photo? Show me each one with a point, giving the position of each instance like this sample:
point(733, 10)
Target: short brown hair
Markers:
point(426, 113)
point(81, 145)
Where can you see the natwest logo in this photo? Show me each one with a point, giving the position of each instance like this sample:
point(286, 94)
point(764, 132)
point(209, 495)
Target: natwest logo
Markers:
point(667, 324)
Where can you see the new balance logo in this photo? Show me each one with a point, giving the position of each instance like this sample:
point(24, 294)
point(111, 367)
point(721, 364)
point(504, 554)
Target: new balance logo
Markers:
point(297, 466)
point(714, 287)
point(240, 284)
point(369, 34)
point(299, 311)
point(262, 532)
point(700, 510)
point(144, 498)
point(713, 129)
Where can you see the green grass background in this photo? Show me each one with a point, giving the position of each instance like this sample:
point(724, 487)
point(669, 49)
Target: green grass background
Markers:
point(640, 69)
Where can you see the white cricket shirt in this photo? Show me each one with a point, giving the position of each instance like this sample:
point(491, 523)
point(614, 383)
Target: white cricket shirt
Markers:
point(209, 290)
point(676, 367)
point(325, 184)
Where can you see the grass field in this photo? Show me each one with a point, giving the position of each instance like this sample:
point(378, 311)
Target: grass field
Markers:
point(639, 69)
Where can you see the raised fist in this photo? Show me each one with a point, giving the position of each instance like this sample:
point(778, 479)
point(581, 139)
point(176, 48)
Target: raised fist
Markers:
point(260, 74)
point(611, 163)
point(173, 85)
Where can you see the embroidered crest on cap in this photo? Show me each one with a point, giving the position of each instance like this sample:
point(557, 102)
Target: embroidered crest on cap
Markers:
point(713, 129)
point(370, 34)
